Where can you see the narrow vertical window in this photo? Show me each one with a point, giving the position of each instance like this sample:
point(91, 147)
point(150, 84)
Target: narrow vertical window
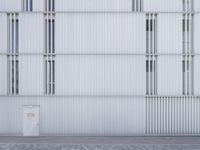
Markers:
point(137, 5)
point(31, 5)
point(45, 75)
point(12, 36)
point(188, 5)
point(49, 55)
point(53, 36)
point(49, 36)
point(27, 5)
point(12, 55)
point(17, 76)
point(151, 54)
point(187, 52)
point(50, 75)
point(53, 70)
point(50, 5)
point(17, 35)
point(13, 76)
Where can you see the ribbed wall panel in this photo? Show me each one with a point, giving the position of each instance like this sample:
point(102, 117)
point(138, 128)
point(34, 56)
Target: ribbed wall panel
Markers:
point(169, 75)
point(105, 58)
point(173, 115)
point(100, 33)
point(196, 33)
point(3, 75)
point(38, 5)
point(100, 75)
point(10, 5)
point(169, 33)
point(31, 33)
point(163, 5)
point(93, 5)
point(99, 5)
point(77, 115)
point(31, 75)
point(3, 33)
point(197, 75)
point(196, 5)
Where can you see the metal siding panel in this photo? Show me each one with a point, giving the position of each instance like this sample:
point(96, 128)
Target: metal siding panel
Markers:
point(101, 82)
point(3, 75)
point(31, 32)
point(179, 115)
point(3, 33)
point(31, 75)
point(38, 5)
point(93, 5)
point(162, 5)
point(3, 116)
point(196, 5)
point(95, 116)
point(87, 116)
point(196, 33)
point(11, 115)
point(10, 5)
point(170, 75)
point(196, 75)
point(170, 33)
point(100, 75)
point(100, 33)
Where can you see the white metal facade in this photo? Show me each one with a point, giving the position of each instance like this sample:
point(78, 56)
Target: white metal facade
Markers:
point(101, 67)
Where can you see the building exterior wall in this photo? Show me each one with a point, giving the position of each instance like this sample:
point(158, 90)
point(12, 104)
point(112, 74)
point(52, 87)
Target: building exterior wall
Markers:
point(101, 67)
point(77, 115)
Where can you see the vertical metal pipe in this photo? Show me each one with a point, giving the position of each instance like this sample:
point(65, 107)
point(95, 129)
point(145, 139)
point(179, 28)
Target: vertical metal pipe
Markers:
point(178, 115)
point(171, 116)
point(148, 102)
point(157, 114)
point(181, 115)
point(198, 118)
point(150, 118)
point(146, 117)
point(192, 114)
point(167, 100)
point(163, 117)
point(195, 115)
point(153, 114)
point(174, 115)
point(185, 111)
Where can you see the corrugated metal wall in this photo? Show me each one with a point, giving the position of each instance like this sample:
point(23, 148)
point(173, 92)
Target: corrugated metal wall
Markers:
point(173, 115)
point(74, 115)
point(93, 5)
point(163, 5)
point(104, 52)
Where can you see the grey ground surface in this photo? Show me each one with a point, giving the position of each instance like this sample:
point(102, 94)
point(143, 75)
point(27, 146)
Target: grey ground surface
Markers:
point(99, 143)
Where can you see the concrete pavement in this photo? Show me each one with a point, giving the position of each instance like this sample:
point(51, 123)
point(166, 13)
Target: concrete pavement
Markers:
point(99, 143)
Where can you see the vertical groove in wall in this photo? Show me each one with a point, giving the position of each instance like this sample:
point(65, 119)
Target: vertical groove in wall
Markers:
point(172, 115)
